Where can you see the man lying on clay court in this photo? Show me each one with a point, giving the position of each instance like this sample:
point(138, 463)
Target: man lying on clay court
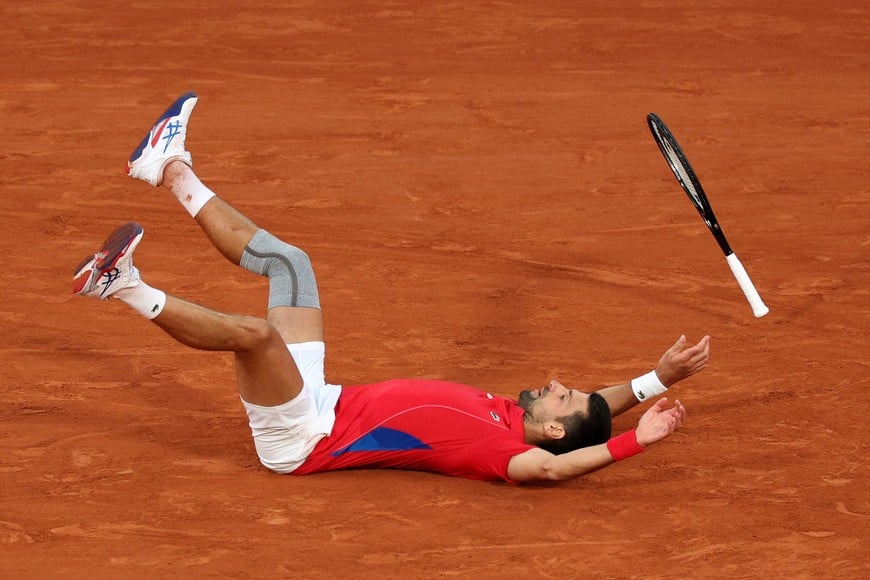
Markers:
point(301, 424)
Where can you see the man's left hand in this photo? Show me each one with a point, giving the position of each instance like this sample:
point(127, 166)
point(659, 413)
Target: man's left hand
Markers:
point(658, 422)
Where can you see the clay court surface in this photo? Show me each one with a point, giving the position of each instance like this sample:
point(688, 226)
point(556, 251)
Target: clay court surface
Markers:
point(483, 203)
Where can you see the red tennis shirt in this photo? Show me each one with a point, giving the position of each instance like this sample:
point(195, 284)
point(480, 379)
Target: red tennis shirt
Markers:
point(422, 425)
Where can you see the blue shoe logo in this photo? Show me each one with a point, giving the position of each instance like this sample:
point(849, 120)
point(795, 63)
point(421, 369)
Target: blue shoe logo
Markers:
point(172, 129)
point(109, 279)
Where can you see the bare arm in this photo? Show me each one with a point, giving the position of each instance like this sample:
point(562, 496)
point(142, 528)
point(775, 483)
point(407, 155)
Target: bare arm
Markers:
point(676, 364)
point(538, 465)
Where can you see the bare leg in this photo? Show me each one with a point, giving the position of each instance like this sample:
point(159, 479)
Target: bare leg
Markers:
point(230, 232)
point(267, 375)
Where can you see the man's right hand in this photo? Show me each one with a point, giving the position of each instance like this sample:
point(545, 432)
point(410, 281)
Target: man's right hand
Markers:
point(680, 362)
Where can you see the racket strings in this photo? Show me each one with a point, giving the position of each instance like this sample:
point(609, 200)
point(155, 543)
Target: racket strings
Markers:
point(679, 169)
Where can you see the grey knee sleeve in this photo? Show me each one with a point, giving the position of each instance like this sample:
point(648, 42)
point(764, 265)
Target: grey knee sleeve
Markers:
point(291, 278)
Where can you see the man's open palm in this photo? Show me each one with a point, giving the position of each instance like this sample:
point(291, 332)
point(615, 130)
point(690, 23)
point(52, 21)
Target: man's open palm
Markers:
point(659, 421)
point(680, 362)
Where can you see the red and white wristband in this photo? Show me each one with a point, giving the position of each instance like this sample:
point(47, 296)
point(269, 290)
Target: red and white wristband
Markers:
point(647, 386)
point(624, 446)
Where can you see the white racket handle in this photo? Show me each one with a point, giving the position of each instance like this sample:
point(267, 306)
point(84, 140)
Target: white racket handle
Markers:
point(758, 306)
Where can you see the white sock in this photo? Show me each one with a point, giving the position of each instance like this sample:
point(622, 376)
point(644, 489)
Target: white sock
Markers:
point(144, 299)
point(191, 192)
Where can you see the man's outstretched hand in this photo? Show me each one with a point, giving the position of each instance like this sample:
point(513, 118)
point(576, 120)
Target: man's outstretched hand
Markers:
point(680, 362)
point(658, 422)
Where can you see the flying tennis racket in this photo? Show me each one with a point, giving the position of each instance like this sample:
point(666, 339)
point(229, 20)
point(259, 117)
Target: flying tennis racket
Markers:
point(689, 181)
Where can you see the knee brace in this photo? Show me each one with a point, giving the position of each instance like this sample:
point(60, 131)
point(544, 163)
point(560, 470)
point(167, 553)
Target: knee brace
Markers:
point(291, 277)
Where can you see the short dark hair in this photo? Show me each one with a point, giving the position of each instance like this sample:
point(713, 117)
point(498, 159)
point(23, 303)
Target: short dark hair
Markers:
point(582, 429)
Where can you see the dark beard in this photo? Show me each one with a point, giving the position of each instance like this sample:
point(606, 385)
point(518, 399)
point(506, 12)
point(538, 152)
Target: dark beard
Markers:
point(525, 401)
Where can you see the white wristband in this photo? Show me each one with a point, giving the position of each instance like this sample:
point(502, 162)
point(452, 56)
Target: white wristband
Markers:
point(647, 386)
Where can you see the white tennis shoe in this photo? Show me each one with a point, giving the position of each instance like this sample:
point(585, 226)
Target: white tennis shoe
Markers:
point(111, 269)
point(164, 142)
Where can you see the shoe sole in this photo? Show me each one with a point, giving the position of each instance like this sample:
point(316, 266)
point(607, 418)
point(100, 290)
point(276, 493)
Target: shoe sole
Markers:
point(173, 111)
point(116, 246)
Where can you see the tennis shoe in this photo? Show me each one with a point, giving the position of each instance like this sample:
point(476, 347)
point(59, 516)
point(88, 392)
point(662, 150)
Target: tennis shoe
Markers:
point(111, 269)
point(164, 142)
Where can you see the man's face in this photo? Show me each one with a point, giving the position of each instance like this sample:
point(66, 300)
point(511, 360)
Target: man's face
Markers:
point(552, 401)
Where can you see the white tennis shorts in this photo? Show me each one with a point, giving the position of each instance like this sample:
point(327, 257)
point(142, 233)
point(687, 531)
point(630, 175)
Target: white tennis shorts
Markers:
point(285, 435)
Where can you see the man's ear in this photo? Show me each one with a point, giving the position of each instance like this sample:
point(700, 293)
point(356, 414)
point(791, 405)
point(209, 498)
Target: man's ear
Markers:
point(554, 430)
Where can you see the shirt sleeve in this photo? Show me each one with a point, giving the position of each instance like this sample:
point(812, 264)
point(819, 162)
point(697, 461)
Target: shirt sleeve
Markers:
point(489, 461)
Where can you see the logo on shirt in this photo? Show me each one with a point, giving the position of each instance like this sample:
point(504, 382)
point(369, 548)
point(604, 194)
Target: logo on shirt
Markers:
point(383, 439)
point(495, 416)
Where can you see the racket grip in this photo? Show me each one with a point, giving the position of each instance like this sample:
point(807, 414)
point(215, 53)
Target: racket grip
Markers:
point(758, 306)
